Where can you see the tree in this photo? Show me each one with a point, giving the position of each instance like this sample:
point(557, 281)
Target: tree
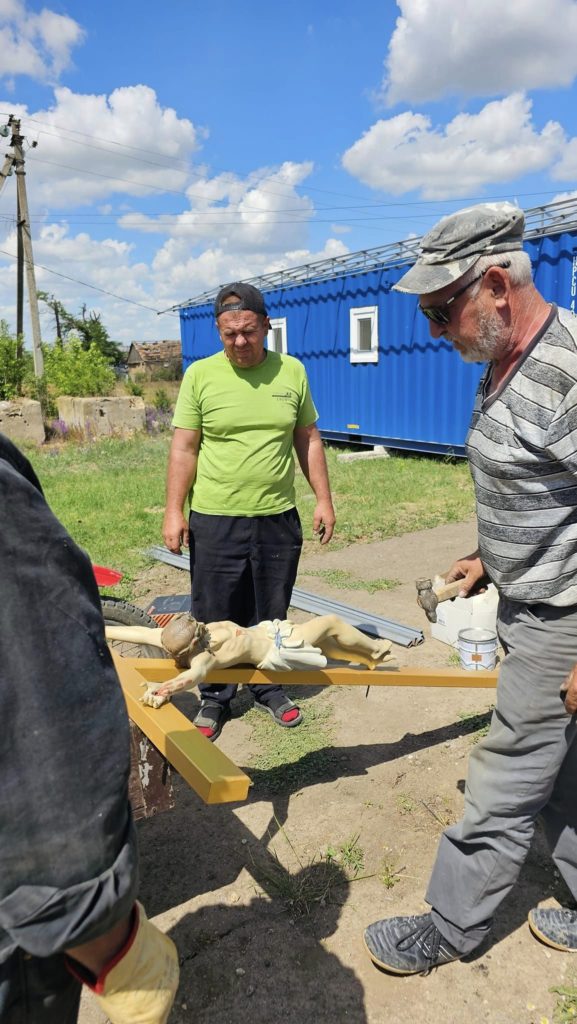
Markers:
point(88, 327)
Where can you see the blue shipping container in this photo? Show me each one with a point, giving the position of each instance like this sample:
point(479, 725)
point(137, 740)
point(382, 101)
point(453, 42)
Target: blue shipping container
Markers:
point(406, 390)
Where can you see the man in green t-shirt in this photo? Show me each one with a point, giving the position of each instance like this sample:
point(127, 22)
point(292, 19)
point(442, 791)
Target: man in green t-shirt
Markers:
point(238, 416)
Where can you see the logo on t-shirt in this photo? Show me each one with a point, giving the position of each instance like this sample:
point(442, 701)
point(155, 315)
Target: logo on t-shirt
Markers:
point(283, 396)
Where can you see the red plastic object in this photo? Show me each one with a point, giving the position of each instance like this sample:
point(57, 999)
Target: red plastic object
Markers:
point(106, 577)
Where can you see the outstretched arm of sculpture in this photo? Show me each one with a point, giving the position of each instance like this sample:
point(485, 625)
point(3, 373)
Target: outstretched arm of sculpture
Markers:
point(135, 635)
point(237, 650)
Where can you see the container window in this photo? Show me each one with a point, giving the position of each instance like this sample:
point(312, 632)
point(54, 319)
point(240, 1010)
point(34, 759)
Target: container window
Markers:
point(276, 338)
point(364, 330)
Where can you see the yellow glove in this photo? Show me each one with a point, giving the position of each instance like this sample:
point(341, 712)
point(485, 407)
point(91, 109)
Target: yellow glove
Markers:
point(139, 985)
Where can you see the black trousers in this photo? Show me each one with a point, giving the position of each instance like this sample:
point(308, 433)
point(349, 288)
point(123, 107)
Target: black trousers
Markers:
point(243, 569)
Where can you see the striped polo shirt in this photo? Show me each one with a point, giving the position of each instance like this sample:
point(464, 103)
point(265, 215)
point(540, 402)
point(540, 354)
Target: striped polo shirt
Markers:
point(522, 450)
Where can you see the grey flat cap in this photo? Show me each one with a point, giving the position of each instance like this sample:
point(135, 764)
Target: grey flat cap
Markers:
point(457, 241)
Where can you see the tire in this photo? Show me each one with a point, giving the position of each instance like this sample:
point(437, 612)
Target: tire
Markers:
point(121, 613)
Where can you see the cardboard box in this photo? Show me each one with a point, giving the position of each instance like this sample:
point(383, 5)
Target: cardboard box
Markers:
point(463, 613)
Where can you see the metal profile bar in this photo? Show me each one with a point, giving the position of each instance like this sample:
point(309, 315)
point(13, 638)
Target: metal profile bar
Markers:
point(374, 625)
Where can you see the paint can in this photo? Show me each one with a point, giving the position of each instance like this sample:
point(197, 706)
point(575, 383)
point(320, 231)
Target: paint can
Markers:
point(477, 648)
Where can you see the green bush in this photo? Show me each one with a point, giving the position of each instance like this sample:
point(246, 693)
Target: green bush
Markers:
point(70, 369)
point(133, 388)
point(161, 401)
point(16, 365)
point(171, 372)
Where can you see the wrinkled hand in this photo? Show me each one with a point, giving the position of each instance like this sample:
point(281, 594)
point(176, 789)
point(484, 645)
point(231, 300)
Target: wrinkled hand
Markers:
point(324, 519)
point(175, 531)
point(471, 571)
point(569, 691)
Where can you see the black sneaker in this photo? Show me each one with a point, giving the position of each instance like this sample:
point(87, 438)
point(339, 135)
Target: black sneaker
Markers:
point(408, 945)
point(555, 927)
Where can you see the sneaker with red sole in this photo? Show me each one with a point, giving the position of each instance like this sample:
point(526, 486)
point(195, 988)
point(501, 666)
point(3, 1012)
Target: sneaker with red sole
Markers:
point(211, 718)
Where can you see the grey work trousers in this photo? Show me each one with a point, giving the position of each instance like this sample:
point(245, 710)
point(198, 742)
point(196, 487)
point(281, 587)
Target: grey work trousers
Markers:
point(525, 766)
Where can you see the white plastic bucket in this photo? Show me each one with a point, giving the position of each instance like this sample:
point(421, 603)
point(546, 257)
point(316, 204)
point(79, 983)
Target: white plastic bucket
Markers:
point(477, 648)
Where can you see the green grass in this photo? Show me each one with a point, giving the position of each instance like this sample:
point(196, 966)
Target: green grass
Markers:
point(565, 1011)
point(477, 723)
point(390, 871)
point(347, 581)
point(349, 855)
point(287, 759)
point(377, 498)
point(314, 885)
point(110, 496)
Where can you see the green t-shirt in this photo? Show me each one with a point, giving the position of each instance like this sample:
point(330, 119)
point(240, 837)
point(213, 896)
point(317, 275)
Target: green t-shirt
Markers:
point(247, 418)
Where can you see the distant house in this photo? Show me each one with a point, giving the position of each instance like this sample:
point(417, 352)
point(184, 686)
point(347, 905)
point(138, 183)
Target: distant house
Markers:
point(150, 359)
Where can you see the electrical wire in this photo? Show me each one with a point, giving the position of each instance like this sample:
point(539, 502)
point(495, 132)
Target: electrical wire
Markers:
point(86, 284)
point(309, 188)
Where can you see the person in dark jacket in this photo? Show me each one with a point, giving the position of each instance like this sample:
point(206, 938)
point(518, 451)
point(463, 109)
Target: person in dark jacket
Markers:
point(68, 855)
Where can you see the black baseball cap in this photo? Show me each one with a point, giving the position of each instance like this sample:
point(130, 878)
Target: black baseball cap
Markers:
point(248, 297)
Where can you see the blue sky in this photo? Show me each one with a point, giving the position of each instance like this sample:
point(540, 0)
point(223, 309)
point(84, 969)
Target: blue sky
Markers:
point(183, 146)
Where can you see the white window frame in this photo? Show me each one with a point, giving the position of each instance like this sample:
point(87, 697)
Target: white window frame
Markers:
point(364, 313)
point(278, 323)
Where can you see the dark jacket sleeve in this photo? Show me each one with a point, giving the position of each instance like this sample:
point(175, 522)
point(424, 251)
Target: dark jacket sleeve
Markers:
point(68, 862)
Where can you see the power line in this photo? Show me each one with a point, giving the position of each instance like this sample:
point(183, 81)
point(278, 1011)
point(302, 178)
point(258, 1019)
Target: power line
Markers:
point(94, 287)
point(136, 149)
point(119, 145)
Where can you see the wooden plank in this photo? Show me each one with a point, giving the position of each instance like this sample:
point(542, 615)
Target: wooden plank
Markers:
point(202, 764)
point(150, 788)
point(158, 670)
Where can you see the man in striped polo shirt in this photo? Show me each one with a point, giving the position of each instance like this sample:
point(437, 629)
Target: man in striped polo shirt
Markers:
point(475, 288)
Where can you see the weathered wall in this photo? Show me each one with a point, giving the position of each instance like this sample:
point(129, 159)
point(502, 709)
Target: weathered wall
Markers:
point(22, 421)
point(102, 416)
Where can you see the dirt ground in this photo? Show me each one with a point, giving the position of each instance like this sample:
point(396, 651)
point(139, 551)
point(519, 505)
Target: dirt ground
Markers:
point(213, 877)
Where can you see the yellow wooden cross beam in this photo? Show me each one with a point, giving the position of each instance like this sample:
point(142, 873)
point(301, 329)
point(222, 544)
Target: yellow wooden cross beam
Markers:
point(159, 670)
point(206, 768)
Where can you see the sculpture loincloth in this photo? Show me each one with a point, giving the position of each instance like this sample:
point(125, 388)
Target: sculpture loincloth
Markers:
point(286, 653)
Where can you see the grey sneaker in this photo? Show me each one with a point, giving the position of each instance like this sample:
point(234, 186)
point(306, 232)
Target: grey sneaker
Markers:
point(408, 945)
point(555, 927)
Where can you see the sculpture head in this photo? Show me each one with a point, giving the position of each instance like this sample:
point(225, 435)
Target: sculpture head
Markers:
point(183, 638)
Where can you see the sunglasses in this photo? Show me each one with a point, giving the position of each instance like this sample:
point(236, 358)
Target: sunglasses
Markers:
point(441, 314)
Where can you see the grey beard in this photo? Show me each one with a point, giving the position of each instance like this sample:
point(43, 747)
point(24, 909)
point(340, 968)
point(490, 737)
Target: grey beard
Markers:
point(490, 343)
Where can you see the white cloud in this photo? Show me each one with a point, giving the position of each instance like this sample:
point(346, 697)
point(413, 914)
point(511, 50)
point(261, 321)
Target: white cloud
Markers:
point(173, 275)
point(441, 47)
point(566, 169)
point(181, 276)
point(36, 45)
point(498, 144)
point(260, 213)
point(70, 167)
point(229, 226)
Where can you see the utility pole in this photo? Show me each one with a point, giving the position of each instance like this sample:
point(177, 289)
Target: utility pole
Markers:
point(19, 279)
point(25, 256)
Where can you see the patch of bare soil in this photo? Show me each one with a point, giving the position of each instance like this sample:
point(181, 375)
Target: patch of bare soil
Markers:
point(217, 878)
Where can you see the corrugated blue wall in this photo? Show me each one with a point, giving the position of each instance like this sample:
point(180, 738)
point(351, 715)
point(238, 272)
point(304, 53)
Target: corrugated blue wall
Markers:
point(420, 393)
